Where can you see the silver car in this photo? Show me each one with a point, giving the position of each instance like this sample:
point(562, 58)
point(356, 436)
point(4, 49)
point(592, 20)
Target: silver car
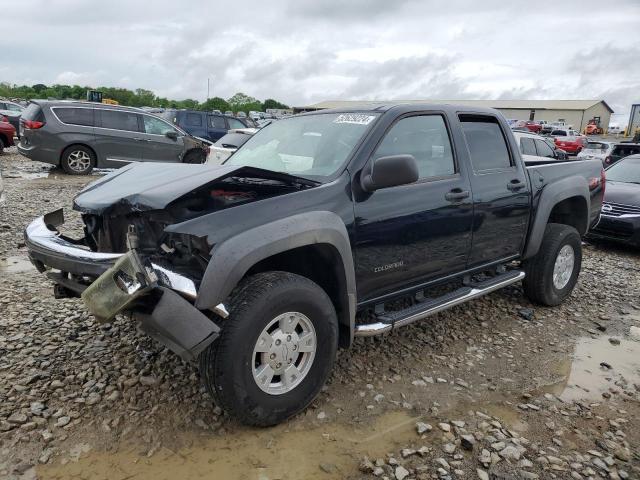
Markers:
point(597, 151)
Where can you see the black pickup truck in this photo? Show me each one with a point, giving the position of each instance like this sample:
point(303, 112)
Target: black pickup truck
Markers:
point(262, 267)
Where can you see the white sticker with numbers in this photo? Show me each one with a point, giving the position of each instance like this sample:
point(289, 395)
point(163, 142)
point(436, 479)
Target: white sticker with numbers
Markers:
point(355, 118)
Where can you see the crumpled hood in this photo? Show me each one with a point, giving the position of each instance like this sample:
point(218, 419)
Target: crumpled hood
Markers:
point(152, 186)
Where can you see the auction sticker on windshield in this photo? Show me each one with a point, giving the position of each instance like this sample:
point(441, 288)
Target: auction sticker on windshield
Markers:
point(355, 118)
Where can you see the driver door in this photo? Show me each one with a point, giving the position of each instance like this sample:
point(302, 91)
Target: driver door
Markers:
point(157, 146)
point(416, 232)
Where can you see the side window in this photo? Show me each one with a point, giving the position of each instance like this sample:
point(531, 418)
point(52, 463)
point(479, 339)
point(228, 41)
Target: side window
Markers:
point(233, 123)
point(486, 143)
point(156, 126)
point(193, 120)
point(426, 138)
point(217, 122)
point(12, 107)
point(544, 150)
point(75, 116)
point(117, 120)
point(527, 146)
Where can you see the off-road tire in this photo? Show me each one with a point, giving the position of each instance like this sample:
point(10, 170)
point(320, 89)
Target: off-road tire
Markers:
point(65, 160)
point(538, 283)
point(194, 156)
point(226, 366)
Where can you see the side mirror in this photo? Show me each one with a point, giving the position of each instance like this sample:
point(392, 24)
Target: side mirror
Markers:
point(391, 171)
point(172, 134)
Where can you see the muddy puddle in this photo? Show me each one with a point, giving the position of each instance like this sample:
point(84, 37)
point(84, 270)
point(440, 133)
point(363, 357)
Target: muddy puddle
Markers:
point(15, 264)
point(283, 452)
point(594, 368)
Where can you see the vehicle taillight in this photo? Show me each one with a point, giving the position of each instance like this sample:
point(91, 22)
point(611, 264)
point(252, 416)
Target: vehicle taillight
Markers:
point(32, 124)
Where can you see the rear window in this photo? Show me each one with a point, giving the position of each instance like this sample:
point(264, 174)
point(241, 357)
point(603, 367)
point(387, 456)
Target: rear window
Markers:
point(596, 146)
point(33, 112)
point(193, 120)
point(232, 140)
point(626, 150)
point(559, 133)
point(75, 116)
point(486, 143)
point(217, 122)
point(119, 120)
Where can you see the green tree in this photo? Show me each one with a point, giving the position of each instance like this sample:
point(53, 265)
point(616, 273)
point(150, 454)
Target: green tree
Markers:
point(215, 103)
point(242, 102)
point(39, 87)
point(271, 103)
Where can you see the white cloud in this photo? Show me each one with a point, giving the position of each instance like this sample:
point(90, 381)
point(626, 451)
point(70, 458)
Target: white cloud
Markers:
point(299, 51)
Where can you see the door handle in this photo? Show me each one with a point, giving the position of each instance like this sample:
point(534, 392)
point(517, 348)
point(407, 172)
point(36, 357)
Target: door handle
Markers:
point(456, 194)
point(515, 184)
point(138, 139)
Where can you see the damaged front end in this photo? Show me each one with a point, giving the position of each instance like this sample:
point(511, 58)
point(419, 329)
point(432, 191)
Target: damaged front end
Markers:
point(128, 262)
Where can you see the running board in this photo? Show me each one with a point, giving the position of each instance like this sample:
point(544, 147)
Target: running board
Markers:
point(388, 321)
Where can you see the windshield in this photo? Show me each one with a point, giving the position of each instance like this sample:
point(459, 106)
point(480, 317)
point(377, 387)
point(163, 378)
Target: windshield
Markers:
point(626, 170)
point(596, 146)
point(307, 146)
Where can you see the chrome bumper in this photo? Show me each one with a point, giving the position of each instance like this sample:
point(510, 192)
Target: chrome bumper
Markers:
point(49, 249)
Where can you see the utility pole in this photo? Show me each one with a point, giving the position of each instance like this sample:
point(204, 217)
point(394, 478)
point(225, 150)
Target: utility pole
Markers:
point(207, 88)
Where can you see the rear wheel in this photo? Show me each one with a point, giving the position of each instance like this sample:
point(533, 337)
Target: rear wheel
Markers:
point(552, 274)
point(78, 160)
point(275, 350)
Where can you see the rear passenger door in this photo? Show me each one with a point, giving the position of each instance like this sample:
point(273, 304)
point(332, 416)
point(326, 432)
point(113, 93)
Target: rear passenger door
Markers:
point(195, 123)
point(500, 191)
point(118, 137)
point(217, 127)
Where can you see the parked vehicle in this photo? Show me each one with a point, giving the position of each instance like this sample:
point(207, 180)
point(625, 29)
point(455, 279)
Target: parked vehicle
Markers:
point(7, 132)
point(229, 113)
point(241, 115)
point(561, 126)
point(11, 106)
point(594, 150)
point(527, 125)
point(535, 148)
point(623, 149)
point(258, 267)
point(223, 148)
point(615, 129)
point(620, 219)
point(78, 136)
point(569, 140)
point(203, 124)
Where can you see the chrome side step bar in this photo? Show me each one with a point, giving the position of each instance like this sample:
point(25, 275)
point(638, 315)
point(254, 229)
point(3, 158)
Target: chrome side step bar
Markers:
point(387, 322)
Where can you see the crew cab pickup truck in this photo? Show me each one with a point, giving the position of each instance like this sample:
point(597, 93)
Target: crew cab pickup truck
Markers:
point(262, 267)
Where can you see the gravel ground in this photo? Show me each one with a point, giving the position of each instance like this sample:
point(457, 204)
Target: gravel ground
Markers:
point(496, 388)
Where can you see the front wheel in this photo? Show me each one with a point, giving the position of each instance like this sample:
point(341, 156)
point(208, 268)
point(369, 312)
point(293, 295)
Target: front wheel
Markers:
point(275, 350)
point(194, 156)
point(552, 274)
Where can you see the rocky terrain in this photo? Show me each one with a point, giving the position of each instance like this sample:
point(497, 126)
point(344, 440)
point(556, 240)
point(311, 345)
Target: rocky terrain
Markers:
point(497, 388)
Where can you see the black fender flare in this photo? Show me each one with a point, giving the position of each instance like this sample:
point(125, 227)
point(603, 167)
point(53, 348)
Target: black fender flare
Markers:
point(551, 195)
point(233, 257)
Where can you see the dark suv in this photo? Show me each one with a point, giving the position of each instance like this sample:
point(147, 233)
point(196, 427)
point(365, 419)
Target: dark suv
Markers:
point(621, 150)
point(207, 125)
point(79, 136)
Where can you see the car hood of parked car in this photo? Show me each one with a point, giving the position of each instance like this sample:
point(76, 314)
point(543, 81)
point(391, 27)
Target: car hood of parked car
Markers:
point(152, 186)
point(623, 193)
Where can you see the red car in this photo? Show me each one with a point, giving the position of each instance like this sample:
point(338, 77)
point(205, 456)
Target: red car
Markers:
point(569, 141)
point(7, 132)
point(529, 125)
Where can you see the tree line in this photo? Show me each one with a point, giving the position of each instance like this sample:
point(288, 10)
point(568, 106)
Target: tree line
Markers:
point(139, 97)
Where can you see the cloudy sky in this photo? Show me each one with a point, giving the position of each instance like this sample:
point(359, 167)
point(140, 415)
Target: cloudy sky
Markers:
point(301, 51)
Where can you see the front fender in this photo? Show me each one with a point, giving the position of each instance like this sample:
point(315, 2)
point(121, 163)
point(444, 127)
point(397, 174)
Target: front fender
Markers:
point(232, 258)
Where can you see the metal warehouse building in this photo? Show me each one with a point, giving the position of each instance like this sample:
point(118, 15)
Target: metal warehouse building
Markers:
point(573, 112)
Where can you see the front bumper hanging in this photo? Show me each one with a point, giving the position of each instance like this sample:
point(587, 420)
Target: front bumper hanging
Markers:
point(110, 283)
